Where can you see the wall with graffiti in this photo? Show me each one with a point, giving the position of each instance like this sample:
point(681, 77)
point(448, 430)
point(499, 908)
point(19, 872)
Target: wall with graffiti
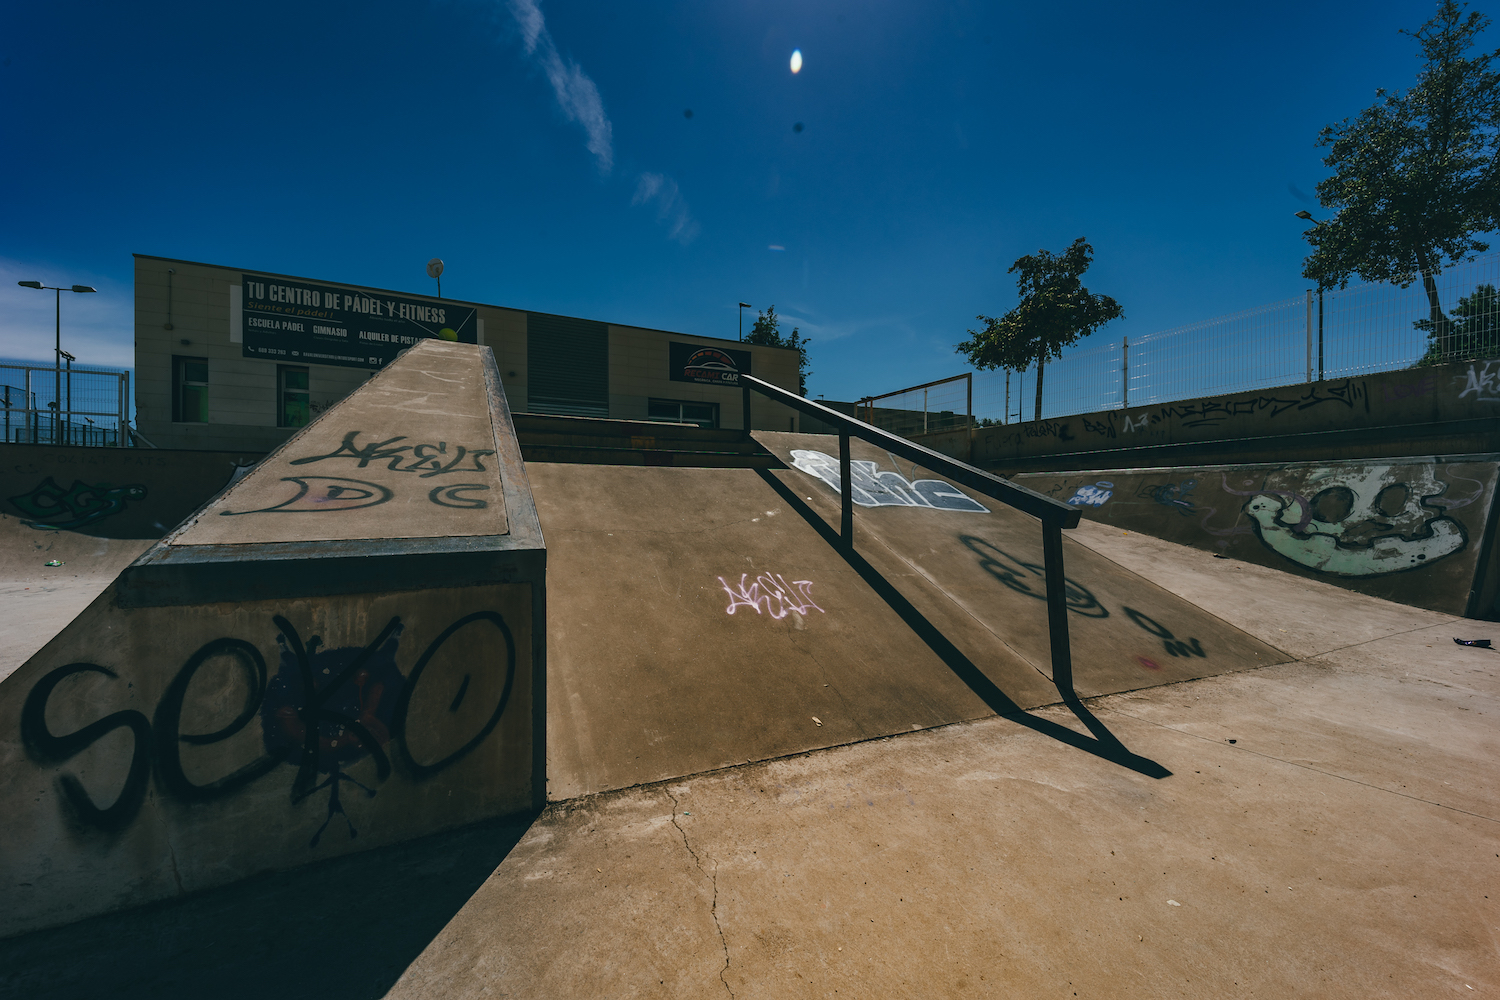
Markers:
point(1411, 530)
point(111, 492)
point(1448, 408)
point(150, 752)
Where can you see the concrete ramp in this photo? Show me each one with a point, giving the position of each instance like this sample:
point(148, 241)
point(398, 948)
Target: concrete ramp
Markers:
point(702, 617)
point(343, 650)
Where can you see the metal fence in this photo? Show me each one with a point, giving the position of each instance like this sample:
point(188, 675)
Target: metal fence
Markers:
point(944, 405)
point(79, 406)
point(1334, 334)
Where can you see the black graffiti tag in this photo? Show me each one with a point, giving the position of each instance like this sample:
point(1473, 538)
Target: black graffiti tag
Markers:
point(425, 459)
point(1174, 645)
point(160, 740)
point(1015, 573)
point(46, 748)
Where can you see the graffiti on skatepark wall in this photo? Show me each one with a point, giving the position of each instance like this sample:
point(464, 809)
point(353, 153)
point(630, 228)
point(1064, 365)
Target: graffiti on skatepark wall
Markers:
point(1178, 496)
point(323, 711)
point(427, 460)
point(1482, 382)
point(870, 487)
point(769, 593)
point(1358, 520)
point(50, 507)
point(1030, 578)
point(1092, 496)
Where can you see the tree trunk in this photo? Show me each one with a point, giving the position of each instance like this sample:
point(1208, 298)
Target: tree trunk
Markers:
point(1439, 332)
point(1040, 367)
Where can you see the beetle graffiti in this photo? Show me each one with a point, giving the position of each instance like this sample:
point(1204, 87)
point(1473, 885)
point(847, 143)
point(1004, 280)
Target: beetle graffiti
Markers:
point(323, 710)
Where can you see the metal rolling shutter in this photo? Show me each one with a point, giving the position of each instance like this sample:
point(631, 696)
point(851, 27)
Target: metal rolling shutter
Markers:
point(567, 366)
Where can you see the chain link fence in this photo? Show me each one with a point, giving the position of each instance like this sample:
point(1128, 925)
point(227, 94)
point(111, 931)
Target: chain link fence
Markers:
point(77, 406)
point(1335, 334)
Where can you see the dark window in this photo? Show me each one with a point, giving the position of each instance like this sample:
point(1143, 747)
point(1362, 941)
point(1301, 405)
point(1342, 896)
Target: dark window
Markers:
point(681, 411)
point(291, 396)
point(189, 390)
point(567, 366)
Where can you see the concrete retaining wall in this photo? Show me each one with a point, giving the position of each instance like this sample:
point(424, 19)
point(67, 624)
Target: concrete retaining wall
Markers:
point(111, 492)
point(1415, 530)
point(1446, 409)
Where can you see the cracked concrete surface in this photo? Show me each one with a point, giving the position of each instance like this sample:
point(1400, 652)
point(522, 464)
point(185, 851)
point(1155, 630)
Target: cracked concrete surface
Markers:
point(1331, 828)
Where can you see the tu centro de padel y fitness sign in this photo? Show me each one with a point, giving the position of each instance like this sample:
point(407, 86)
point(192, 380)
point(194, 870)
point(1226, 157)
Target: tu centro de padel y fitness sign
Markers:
point(707, 365)
point(302, 323)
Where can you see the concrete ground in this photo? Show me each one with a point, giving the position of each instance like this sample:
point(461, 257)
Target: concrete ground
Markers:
point(1329, 828)
point(38, 600)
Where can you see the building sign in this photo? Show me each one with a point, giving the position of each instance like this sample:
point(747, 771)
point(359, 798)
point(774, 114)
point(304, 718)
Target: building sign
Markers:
point(300, 323)
point(707, 365)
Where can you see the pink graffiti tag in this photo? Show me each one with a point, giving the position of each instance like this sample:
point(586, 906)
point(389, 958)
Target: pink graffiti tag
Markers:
point(770, 589)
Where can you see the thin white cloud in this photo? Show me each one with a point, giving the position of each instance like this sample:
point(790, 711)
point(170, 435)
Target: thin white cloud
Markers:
point(671, 209)
point(576, 94)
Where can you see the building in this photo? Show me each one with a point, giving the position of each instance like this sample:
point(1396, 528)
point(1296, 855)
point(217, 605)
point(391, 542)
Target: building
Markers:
point(233, 359)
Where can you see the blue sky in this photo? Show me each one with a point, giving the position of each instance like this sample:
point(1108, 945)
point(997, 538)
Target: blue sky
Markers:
point(544, 152)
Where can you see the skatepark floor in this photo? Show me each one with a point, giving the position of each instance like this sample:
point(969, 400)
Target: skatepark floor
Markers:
point(1330, 828)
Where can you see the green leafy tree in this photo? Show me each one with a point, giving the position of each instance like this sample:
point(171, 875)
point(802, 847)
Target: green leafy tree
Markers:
point(1472, 331)
point(1055, 311)
point(1416, 176)
point(767, 331)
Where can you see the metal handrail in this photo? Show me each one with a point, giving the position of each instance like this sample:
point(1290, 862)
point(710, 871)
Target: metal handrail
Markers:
point(1053, 513)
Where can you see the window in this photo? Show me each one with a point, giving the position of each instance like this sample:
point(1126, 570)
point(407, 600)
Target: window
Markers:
point(681, 411)
point(189, 390)
point(291, 397)
point(567, 366)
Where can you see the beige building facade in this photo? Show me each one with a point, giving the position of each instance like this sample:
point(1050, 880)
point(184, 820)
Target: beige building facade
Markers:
point(235, 359)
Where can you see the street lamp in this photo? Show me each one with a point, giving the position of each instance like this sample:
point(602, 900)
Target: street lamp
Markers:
point(57, 367)
point(743, 307)
point(1306, 216)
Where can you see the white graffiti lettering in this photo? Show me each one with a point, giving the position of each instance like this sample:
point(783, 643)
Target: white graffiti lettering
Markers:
point(1093, 496)
point(770, 594)
point(869, 487)
point(1483, 384)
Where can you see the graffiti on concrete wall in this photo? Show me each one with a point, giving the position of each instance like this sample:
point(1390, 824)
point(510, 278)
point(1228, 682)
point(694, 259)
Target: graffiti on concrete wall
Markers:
point(427, 460)
point(321, 712)
point(1358, 520)
point(769, 593)
point(1092, 496)
point(1178, 496)
point(871, 487)
point(1030, 578)
point(49, 506)
point(1481, 382)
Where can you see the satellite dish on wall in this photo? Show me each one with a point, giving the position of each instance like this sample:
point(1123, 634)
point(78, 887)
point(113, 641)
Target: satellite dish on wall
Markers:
point(434, 268)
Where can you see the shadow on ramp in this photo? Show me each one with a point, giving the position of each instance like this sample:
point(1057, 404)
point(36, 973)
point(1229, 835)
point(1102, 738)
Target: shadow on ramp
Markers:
point(344, 929)
point(1103, 744)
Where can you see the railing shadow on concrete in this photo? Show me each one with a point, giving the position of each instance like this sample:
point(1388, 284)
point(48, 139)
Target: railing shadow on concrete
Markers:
point(1054, 516)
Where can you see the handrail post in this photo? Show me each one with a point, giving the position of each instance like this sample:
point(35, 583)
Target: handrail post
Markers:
point(1057, 609)
point(745, 406)
point(846, 493)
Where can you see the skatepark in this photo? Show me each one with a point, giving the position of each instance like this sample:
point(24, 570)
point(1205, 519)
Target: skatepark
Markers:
point(621, 730)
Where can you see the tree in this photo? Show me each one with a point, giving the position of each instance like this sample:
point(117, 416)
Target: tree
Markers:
point(1472, 332)
point(1055, 311)
point(767, 331)
point(1416, 175)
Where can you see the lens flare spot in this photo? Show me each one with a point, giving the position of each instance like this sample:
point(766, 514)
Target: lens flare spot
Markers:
point(796, 60)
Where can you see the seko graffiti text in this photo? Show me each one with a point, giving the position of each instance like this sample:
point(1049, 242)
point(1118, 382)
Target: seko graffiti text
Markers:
point(322, 710)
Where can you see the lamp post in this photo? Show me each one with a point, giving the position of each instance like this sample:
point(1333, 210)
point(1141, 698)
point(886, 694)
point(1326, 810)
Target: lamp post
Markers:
point(743, 307)
point(57, 356)
point(1306, 216)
